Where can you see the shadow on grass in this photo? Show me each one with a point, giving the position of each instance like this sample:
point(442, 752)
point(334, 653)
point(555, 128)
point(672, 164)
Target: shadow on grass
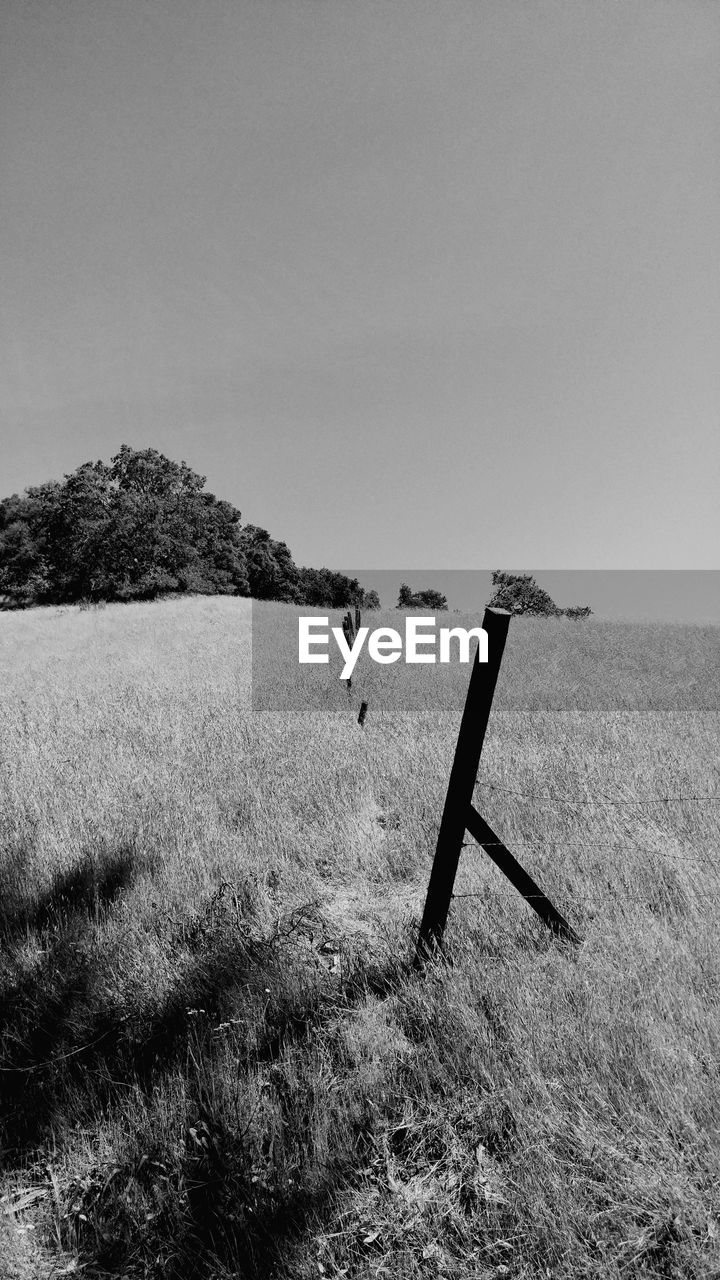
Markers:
point(64, 1052)
point(48, 974)
point(82, 891)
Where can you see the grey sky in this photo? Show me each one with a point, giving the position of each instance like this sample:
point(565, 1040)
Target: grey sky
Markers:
point(412, 283)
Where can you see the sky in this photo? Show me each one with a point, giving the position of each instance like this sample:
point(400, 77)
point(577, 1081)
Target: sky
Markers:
point(417, 282)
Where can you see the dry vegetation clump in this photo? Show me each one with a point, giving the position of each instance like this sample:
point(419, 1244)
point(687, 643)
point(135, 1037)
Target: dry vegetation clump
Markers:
point(216, 1058)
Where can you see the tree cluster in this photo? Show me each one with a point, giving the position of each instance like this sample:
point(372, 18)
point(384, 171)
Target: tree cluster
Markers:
point(143, 526)
point(273, 575)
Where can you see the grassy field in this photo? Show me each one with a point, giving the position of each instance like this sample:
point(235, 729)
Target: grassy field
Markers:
point(216, 1058)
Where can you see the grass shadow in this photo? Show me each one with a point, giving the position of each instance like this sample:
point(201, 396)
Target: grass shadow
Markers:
point(83, 890)
point(47, 989)
point(64, 1050)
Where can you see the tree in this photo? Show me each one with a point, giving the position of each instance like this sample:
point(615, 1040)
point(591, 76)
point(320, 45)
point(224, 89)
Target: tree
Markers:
point(134, 529)
point(520, 593)
point(326, 588)
point(23, 576)
point(271, 571)
point(170, 535)
point(428, 599)
point(139, 527)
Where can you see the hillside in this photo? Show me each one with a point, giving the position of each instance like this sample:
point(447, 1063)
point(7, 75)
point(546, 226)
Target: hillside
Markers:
point(216, 1059)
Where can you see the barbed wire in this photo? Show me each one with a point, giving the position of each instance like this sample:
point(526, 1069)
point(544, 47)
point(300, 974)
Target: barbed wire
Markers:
point(657, 857)
point(622, 801)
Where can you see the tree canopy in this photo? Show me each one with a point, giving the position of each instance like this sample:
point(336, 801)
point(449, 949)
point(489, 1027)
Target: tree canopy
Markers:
point(135, 528)
point(520, 593)
point(139, 527)
point(428, 599)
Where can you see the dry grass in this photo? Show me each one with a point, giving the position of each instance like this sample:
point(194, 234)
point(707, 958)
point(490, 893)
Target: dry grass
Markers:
point(216, 1059)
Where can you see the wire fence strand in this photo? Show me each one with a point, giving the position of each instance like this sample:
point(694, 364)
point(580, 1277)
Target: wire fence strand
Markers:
point(621, 801)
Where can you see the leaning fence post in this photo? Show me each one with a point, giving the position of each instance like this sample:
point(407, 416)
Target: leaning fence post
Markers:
point(460, 814)
point(462, 781)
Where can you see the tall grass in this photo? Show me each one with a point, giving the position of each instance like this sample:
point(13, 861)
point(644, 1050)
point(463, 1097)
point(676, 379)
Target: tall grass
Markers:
point(216, 1058)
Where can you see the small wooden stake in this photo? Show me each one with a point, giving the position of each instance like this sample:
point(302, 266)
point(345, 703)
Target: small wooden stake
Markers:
point(349, 632)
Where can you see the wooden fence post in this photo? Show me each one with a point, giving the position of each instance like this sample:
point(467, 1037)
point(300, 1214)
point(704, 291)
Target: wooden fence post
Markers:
point(463, 775)
point(459, 813)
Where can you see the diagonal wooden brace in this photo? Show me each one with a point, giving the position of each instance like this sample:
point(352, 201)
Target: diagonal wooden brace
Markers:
point(518, 876)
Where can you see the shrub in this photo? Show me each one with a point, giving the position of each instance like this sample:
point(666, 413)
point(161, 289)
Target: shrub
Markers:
point(520, 593)
point(427, 599)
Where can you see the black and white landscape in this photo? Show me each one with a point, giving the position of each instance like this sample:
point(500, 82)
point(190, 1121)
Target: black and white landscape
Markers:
point(289, 288)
